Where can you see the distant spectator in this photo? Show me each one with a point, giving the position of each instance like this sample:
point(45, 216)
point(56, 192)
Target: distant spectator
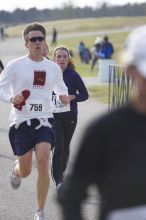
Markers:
point(95, 51)
point(84, 53)
point(81, 48)
point(95, 55)
point(107, 49)
point(1, 66)
point(54, 37)
point(87, 56)
point(2, 34)
point(98, 40)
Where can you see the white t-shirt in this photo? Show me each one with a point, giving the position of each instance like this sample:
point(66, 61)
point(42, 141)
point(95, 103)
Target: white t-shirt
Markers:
point(40, 78)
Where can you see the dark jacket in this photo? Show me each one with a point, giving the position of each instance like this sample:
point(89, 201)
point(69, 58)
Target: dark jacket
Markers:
point(75, 87)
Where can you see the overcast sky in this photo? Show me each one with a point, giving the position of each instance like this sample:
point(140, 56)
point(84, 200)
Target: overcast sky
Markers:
point(10, 5)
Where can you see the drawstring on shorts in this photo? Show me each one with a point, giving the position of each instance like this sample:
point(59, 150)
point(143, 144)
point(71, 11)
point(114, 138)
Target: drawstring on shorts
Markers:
point(42, 122)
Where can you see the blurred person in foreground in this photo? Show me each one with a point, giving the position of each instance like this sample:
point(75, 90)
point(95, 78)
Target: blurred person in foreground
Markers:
point(66, 121)
point(27, 84)
point(115, 144)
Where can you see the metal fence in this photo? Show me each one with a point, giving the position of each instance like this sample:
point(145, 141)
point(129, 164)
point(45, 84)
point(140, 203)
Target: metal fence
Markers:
point(121, 87)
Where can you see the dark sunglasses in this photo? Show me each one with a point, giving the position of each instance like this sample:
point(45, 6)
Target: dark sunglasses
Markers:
point(34, 39)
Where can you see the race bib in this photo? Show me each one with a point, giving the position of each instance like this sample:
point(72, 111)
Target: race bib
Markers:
point(36, 106)
point(58, 106)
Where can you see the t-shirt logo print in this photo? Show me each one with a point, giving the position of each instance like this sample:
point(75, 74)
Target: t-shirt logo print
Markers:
point(39, 78)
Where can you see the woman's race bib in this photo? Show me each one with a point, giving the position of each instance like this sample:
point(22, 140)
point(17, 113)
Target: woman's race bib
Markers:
point(58, 106)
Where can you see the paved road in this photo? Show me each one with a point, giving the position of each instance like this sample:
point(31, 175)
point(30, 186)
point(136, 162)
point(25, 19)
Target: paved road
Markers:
point(21, 204)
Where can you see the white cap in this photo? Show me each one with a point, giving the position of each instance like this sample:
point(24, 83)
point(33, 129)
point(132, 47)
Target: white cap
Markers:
point(135, 49)
point(98, 40)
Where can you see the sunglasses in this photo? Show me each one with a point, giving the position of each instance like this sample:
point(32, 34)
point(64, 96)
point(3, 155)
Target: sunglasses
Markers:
point(34, 39)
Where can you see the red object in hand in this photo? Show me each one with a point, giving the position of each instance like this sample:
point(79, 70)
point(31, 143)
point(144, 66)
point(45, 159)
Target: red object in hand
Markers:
point(26, 94)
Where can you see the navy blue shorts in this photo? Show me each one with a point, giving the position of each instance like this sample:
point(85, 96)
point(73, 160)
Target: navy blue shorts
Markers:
point(25, 137)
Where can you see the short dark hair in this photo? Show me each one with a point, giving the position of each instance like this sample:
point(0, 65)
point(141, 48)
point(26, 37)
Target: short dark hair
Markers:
point(33, 27)
point(105, 38)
